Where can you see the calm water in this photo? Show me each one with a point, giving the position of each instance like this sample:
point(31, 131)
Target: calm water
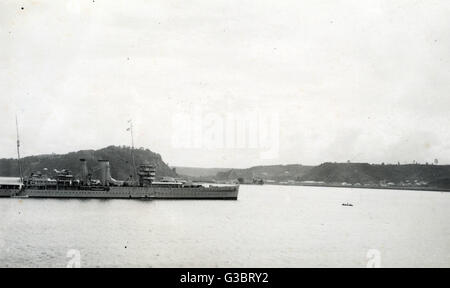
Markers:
point(269, 226)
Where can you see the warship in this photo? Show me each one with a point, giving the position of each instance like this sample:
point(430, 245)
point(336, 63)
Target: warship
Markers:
point(145, 185)
point(65, 185)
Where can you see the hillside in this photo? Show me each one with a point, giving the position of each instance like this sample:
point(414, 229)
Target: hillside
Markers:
point(273, 172)
point(353, 173)
point(441, 183)
point(369, 173)
point(119, 158)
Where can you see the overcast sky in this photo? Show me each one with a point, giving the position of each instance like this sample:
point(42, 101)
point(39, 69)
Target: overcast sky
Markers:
point(365, 81)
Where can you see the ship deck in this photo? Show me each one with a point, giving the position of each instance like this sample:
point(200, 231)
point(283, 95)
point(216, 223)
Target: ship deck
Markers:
point(210, 193)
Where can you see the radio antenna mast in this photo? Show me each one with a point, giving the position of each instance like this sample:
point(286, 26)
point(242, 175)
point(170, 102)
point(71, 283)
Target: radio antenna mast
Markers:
point(132, 148)
point(18, 151)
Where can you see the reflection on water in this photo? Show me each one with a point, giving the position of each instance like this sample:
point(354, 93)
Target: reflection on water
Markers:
point(269, 226)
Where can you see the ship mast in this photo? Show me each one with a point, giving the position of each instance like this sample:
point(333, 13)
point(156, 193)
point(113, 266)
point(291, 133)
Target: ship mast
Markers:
point(132, 149)
point(18, 151)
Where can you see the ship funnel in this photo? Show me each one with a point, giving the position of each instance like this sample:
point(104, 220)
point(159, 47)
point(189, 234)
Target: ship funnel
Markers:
point(105, 172)
point(84, 171)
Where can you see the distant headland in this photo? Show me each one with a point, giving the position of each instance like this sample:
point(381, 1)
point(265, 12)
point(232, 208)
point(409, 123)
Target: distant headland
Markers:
point(118, 156)
point(361, 175)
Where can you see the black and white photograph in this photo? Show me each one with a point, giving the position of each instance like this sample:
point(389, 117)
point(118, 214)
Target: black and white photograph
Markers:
point(253, 134)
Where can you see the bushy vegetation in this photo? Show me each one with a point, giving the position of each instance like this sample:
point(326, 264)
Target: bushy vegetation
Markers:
point(369, 173)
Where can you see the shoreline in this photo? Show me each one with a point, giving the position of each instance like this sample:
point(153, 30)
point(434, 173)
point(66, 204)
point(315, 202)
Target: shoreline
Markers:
point(429, 189)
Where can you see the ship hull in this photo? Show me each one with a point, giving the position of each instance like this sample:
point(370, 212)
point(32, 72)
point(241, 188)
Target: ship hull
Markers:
point(217, 193)
point(8, 192)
